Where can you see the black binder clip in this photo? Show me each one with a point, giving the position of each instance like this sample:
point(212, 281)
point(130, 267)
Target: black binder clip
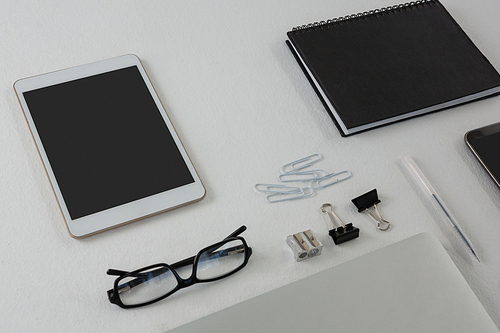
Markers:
point(368, 202)
point(345, 232)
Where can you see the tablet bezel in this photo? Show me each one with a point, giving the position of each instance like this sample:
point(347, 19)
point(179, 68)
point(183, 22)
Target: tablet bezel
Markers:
point(125, 213)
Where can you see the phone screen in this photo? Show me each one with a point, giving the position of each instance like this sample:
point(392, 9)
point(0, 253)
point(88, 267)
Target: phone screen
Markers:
point(485, 144)
point(106, 141)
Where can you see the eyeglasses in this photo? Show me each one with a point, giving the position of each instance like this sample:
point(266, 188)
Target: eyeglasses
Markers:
point(156, 282)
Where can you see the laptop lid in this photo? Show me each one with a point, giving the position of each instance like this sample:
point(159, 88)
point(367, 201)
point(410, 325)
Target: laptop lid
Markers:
point(409, 286)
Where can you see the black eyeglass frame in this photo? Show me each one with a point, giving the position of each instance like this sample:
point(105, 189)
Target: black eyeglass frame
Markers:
point(113, 294)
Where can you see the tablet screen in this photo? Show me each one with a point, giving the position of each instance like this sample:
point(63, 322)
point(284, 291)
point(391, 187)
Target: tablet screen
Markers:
point(106, 141)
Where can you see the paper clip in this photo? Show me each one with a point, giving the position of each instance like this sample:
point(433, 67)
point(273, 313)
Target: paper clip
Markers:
point(298, 176)
point(337, 180)
point(368, 202)
point(278, 197)
point(274, 188)
point(294, 172)
point(309, 160)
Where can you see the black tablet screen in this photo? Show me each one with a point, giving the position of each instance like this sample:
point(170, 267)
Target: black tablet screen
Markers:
point(106, 141)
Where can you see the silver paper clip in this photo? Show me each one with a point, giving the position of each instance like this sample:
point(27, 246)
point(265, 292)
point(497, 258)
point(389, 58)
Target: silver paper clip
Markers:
point(278, 197)
point(301, 163)
point(275, 188)
point(294, 172)
point(318, 181)
point(301, 176)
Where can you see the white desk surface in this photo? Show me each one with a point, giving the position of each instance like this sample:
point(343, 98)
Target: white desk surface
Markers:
point(243, 108)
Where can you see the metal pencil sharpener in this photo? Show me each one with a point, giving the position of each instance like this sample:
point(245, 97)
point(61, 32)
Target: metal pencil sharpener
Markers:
point(304, 245)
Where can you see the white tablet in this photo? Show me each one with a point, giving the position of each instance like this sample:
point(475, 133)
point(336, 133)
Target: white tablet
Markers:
point(109, 149)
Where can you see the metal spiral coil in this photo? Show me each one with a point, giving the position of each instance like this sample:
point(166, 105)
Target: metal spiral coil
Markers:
point(367, 14)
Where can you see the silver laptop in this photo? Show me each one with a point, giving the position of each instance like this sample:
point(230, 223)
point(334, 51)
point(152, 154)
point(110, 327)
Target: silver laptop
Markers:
point(409, 286)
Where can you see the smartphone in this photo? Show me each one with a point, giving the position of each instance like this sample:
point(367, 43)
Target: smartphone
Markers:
point(484, 143)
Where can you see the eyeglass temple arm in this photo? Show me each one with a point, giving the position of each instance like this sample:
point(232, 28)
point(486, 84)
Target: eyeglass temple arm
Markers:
point(190, 260)
point(140, 278)
point(116, 272)
point(237, 232)
point(222, 253)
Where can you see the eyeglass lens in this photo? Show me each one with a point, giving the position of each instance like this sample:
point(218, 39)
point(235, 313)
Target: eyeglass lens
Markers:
point(218, 261)
point(146, 285)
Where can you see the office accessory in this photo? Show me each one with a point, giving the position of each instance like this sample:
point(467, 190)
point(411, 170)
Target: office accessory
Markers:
point(301, 163)
point(109, 149)
point(302, 176)
point(292, 195)
point(368, 202)
point(153, 283)
point(383, 66)
point(339, 176)
point(341, 234)
point(410, 286)
point(484, 143)
point(295, 172)
point(276, 188)
point(304, 245)
point(436, 201)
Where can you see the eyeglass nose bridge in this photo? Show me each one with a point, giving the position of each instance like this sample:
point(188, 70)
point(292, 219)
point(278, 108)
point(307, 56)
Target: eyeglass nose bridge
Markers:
point(187, 282)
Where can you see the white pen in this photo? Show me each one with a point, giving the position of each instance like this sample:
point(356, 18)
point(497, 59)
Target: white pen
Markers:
point(436, 200)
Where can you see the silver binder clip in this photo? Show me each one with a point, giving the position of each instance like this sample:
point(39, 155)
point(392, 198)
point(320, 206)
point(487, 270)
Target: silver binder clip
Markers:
point(368, 202)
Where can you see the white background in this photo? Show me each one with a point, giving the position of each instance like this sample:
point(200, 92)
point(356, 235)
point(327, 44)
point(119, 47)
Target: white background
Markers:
point(242, 108)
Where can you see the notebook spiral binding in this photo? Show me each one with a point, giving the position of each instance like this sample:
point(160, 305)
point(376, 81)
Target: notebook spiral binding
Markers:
point(382, 10)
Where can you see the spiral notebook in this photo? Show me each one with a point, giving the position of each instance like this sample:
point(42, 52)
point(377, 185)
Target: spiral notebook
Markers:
point(382, 66)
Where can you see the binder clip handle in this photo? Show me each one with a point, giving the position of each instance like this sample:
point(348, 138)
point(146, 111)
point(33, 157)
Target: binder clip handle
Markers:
point(379, 219)
point(369, 202)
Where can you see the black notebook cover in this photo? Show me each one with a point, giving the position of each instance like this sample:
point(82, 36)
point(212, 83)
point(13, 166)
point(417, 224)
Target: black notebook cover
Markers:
point(386, 65)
